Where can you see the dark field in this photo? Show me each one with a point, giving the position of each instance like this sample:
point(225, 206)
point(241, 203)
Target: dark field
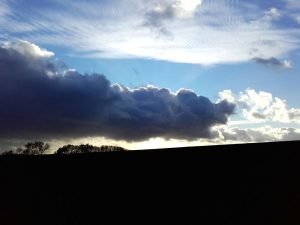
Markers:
point(238, 184)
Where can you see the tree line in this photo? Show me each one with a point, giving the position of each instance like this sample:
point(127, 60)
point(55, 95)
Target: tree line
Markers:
point(40, 148)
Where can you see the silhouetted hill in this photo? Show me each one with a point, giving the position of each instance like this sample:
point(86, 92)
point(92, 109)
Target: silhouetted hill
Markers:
point(235, 184)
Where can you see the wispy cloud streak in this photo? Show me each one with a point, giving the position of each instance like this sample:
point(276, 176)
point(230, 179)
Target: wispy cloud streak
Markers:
point(210, 32)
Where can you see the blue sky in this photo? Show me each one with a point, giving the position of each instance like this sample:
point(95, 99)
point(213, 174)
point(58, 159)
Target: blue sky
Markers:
point(207, 46)
point(207, 81)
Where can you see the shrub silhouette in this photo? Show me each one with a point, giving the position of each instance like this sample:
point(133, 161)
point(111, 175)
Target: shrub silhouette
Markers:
point(83, 149)
point(39, 148)
point(10, 152)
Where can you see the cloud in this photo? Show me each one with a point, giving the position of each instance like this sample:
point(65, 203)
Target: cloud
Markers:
point(157, 15)
point(297, 18)
point(273, 62)
point(28, 49)
point(247, 135)
point(293, 4)
point(39, 101)
point(254, 135)
point(159, 12)
point(223, 136)
point(189, 5)
point(211, 32)
point(292, 8)
point(273, 14)
point(262, 106)
point(294, 114)
point(4, 9)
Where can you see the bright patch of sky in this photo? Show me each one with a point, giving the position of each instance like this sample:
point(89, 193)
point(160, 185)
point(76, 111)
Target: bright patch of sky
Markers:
point(204, 32)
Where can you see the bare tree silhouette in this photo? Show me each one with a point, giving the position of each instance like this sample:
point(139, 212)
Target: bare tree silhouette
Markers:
point(31, 148)
point(35, 148)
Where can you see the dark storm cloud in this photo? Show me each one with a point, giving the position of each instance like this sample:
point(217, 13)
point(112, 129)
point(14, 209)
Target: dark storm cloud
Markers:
point(274, 62)
point(38, 101)
point(151, 112)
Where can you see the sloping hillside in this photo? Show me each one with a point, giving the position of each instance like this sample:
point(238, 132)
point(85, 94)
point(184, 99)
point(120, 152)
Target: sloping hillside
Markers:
point(238, 184)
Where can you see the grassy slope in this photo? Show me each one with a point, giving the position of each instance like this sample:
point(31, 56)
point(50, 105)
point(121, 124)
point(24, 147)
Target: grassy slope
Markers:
point(238, 184)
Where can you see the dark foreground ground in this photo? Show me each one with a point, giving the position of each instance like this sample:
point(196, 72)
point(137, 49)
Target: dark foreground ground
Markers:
point(241, 184)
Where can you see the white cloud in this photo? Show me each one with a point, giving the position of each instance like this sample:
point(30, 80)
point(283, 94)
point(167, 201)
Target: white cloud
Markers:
point(28, 49)
point(200, 32)
point(190, 5)
point(273, 14)
point(287, 64)
point(294, 114)
point(262, 106)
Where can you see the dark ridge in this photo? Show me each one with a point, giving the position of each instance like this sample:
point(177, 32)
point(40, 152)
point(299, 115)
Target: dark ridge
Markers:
point(231, 184)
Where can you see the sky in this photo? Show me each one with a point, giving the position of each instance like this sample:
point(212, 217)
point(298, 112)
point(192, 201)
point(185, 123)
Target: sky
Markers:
point(149, 73)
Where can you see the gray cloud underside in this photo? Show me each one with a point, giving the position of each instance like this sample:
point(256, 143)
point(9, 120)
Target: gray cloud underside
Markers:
point(273, 62)
point(155, 18)
point(263, 134)
point(39, 101)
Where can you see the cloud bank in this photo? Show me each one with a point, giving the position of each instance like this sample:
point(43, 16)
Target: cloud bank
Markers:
point(39, 101)
point(261, 106)
point(255, 135)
